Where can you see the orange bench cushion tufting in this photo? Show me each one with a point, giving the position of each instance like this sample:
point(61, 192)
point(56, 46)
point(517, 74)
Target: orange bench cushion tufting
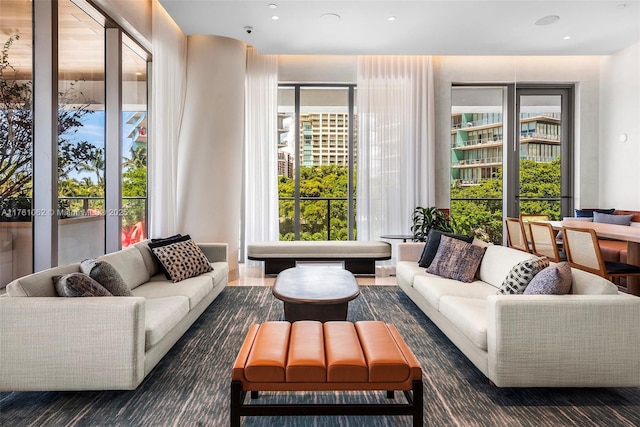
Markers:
point(340, 353)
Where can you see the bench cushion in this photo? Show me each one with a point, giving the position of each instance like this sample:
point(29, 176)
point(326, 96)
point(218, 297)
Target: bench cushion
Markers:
point(309, 355)
point(319, 249)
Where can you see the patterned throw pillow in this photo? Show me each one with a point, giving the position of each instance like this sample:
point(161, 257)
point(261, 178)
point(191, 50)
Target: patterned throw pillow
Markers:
point(433, 243)
point(107, 275)
point(553, 280)
point(521, 275)
point(78, 285)
point(164, 241)
point(456, 259)
point(182, 260)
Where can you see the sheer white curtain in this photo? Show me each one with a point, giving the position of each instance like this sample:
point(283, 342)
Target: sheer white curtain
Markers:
point(169, 76)
point(395, 166)
point(261, 148)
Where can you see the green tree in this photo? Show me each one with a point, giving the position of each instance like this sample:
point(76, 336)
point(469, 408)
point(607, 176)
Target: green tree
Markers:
point(477, 210)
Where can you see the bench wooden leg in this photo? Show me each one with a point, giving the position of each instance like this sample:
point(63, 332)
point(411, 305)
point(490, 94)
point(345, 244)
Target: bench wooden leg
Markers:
point(237, 396)
point(360, 266)
point(418, 402)
point(275, 266)
point(391, 394)
point(255, 394)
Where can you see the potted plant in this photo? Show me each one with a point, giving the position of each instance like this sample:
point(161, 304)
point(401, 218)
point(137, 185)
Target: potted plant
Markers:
point(424, 219)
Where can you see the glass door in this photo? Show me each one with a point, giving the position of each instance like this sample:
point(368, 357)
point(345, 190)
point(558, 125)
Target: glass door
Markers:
point(542, 150)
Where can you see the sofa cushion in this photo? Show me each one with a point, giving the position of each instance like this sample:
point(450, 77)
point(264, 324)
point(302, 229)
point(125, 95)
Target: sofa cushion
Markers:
point(182, 260)
point(469, 316)
point(433, 287)
point(219, 273)
point(497, 263)
point(584, 283)
point(406, 271)
point(612, 219)
point(39, 284)
point(149, 259)
point(161, 316)
point(521, 274)
point(456, 259)
point(553, 280)
point(194, 288)
point(78, 285)
point(106, 274)
point(432, 244)
point(130, 264)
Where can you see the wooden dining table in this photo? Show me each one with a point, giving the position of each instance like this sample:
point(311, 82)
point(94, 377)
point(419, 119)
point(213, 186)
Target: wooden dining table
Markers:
point(624, 233)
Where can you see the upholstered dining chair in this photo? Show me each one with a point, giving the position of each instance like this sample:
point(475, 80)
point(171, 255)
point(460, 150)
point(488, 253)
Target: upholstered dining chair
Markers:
point(516, 237)
point(583, 252)
point(543, 241)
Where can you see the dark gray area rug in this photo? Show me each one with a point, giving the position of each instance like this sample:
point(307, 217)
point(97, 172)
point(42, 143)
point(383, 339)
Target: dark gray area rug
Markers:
point(190, 386)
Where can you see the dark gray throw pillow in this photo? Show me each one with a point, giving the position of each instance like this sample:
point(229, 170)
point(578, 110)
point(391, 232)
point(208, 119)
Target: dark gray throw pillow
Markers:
point(456, 259)
point(612, 219)
point(432, 244)
point(107, 275)
point(78, 285)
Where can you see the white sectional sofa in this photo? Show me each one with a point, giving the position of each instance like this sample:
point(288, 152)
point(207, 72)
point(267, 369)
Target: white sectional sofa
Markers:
point(588, 338)
point(100, 343)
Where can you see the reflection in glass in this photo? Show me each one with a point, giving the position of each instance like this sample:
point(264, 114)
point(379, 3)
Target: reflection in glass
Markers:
point(81, 141)
point(134, 144)
point(16, 139)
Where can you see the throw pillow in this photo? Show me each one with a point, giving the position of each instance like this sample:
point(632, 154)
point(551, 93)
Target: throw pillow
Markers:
point(588, 213)
point(107, 275)
point(553, 280)
point(612, 219)
point(182, 260)
point(456, 259)
point(164, 241)
point(521, 275)
point(78, 285)
point(432, 244)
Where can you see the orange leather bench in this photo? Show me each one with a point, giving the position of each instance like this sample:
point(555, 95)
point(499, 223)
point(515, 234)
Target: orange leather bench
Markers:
point(312, 356)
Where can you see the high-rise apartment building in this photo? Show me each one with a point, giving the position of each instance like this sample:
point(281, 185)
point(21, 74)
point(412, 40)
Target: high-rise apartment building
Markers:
point(324, 140)
point(476, 143)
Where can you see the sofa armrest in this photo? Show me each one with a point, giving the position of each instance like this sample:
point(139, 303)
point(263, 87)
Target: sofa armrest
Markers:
point(563, 340)
point(56, 343)
point(410, 251)
point(215, 252)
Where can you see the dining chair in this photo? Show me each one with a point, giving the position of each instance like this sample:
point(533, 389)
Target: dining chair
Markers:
point(583, 252)
point(516, 237)
point(526, 218)
point(543, 241)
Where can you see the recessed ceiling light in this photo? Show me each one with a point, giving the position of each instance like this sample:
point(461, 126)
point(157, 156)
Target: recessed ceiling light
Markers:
point(392, 18)
point(273, 6)
point(547, 20)
point(566, 37)
point(275, 17)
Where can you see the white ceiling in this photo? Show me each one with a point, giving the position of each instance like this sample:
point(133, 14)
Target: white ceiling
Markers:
point(433, 27)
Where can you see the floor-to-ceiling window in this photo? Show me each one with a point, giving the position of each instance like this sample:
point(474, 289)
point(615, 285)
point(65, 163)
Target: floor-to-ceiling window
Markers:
point(134, 143)
point(16, 141)
point(55, 143)
point(316, 158)
point(511, 154)
point(81, 134)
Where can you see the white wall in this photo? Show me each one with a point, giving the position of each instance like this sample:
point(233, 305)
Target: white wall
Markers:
point(619, 183)
point(581, 70)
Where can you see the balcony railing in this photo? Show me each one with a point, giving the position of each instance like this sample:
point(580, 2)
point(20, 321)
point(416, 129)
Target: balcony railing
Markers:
point(329, 218)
